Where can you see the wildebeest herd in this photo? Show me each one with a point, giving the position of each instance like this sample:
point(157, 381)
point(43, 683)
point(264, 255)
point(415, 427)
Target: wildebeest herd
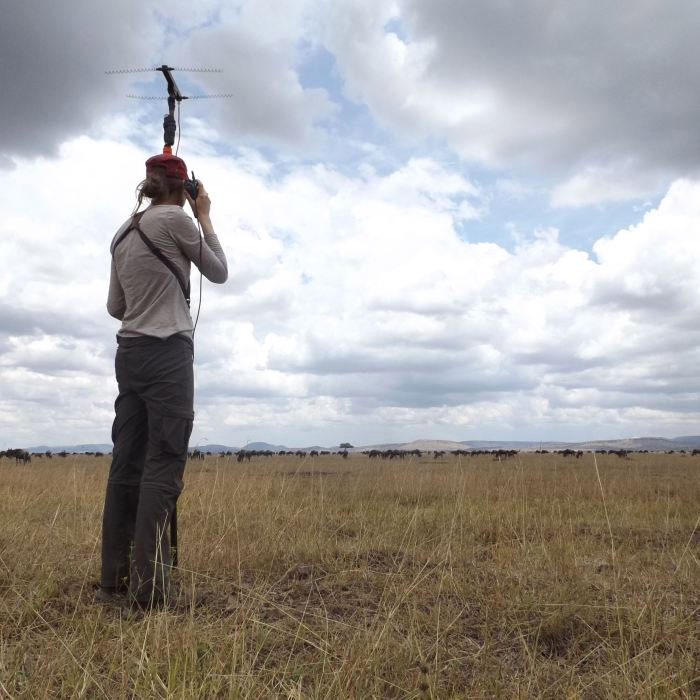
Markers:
point(24, 457)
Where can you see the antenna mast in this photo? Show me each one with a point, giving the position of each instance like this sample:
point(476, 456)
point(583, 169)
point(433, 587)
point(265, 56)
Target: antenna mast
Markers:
point(174, 96)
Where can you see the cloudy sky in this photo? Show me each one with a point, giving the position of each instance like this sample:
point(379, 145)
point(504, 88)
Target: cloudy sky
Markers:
point(446, 219)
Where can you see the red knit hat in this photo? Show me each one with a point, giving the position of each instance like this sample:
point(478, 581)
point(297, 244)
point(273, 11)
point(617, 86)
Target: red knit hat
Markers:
point(168, 165)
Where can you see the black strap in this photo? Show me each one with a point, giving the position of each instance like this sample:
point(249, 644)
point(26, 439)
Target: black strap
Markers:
point(134, 226)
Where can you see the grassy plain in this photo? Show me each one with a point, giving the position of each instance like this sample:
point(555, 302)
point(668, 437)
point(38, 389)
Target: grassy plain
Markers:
point(540, 576)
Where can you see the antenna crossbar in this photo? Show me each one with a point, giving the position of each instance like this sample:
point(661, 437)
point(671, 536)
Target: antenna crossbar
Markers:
point(174, 95)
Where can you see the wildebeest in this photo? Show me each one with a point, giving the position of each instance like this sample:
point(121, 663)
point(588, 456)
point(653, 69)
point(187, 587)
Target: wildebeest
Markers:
point(19, 455)
point(247, 454)
point(622, 454)
point(391, 454)
point(570, 453)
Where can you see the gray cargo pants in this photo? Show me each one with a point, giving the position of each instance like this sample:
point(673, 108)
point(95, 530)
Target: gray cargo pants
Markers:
point(150, 433)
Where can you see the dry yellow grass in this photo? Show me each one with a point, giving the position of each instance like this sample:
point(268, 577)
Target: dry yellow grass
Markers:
point(330, 578)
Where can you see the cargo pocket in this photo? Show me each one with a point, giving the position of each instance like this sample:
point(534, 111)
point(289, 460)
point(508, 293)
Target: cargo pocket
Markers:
point(173, 432)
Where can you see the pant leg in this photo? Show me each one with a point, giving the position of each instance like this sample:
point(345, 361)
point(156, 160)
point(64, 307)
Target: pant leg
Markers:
point(130, 438)
point(168, 391)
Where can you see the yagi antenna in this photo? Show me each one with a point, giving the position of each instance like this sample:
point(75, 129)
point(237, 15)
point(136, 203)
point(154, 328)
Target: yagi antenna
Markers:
point(174, 96)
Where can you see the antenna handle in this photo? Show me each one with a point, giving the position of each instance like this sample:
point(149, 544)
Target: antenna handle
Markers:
point(169, 127)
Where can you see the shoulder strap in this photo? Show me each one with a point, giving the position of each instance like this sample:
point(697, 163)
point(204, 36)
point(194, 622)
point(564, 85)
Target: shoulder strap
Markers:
point(134, 226)
point(135, 219)
point(158, 253)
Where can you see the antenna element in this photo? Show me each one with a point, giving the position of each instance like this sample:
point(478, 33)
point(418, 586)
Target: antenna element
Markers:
point(174, 96)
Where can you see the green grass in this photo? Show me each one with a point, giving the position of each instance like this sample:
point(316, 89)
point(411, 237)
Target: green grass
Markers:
point(327, 578)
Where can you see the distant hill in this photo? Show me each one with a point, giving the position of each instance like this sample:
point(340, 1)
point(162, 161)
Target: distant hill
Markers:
point(259, 446)
point(688, 439)
point(214, 449)
point(624, 444)
point(514, 445)
point(653, 444)
point(432, 445)
point(264, 446)
point(101, 447)
point(381, 446)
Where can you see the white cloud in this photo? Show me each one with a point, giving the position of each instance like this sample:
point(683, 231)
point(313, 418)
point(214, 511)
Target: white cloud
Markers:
point(269, 103)
point(612, 183)
point(603, 97)
point(599, 99)
point(354, 308)
point(53, 58)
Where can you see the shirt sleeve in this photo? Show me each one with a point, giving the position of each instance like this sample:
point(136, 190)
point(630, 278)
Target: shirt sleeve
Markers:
point(116, 302)
point(213, 263)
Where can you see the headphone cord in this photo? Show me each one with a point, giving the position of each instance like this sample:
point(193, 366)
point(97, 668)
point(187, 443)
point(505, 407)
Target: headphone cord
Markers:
point(201, 238)
point(177, 147)
point(199, 228)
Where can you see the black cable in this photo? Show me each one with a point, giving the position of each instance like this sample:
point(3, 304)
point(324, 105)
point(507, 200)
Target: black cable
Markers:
point(177, 148)
point(199, 228)
point(199, 303)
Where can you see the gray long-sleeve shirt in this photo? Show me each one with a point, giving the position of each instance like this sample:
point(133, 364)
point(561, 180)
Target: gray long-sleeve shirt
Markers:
point(143, 293)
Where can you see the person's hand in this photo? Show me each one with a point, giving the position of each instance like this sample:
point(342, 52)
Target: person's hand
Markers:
point(202, 205)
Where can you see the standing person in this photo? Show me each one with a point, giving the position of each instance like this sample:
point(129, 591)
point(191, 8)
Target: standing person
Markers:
point(149, 294)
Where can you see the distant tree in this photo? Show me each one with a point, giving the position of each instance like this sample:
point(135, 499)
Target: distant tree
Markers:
point(345, 446)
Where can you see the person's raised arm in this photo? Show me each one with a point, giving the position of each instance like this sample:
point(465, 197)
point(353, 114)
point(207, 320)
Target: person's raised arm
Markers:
point(213, 264)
